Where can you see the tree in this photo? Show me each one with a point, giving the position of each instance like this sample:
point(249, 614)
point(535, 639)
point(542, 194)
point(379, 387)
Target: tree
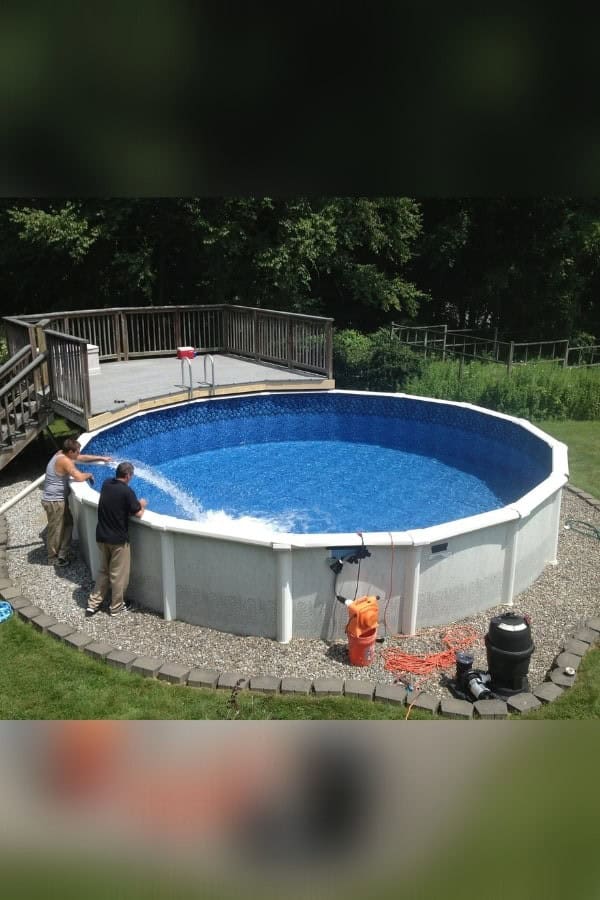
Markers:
point(524, 266)
point(339, 256)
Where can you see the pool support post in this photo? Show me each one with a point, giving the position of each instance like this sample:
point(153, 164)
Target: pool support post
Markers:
point(169, 583)
point(510, 563)
point(284, 593)
point(557, 504)
point(412, 577)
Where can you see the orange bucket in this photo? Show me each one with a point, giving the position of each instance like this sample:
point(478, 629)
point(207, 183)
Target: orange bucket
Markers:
point(362, 616)
point(361, 650)
point(362, 630)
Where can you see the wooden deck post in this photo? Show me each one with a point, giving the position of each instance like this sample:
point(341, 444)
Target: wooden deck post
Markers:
point(255, 332)
point(225, 312)
point(177, 328)
point(85, 377)
point(41, 376)
point(124, 337)
point(290, 343)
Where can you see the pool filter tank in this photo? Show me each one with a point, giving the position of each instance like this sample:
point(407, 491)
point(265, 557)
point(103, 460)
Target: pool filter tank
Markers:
point(509, 647)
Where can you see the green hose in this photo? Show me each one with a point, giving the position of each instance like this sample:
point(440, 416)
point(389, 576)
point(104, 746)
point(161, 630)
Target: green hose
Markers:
point(583, 528)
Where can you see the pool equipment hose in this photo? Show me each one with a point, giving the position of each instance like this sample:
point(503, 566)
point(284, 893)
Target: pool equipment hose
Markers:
point(583, 528)
point(460, 637)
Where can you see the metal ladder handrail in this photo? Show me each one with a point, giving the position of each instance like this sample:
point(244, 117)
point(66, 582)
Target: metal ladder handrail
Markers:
point(189, 363)
point(206, 383)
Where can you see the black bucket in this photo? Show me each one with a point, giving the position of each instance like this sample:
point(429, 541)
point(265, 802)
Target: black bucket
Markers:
point(509, 647)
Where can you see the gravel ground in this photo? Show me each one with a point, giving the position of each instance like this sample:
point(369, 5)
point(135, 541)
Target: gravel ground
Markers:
point(558, 603)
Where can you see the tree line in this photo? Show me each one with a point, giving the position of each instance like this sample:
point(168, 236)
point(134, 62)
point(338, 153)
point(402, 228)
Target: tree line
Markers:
point(527, 267)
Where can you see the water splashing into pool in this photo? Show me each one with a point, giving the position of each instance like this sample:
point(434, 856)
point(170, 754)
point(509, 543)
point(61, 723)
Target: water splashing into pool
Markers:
point(182, 499)
point(156, 487)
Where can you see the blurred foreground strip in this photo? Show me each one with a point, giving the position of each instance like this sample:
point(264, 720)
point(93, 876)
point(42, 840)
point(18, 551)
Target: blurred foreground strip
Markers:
point(325, 807)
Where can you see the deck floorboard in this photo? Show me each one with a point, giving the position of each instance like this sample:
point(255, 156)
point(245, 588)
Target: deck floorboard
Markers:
point(120, 384)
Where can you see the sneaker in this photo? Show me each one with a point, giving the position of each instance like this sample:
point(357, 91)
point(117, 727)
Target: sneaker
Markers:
point(90, 611)
point(61, 562)
point(118, 611)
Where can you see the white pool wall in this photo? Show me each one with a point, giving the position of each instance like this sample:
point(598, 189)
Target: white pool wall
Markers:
point(280, 585)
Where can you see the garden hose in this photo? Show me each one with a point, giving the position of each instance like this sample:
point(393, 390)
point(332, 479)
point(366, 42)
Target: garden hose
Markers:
point(583, 528)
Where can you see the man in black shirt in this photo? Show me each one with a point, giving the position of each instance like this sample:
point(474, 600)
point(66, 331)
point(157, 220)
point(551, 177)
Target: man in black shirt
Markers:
point(117, 503)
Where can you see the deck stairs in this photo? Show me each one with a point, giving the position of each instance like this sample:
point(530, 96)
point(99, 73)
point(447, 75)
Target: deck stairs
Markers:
point(25, 408)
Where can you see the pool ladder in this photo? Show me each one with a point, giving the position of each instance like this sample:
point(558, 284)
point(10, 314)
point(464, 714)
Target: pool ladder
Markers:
point(206, 383)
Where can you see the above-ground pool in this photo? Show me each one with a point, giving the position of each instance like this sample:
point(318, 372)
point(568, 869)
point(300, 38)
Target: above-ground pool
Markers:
point(251, 498)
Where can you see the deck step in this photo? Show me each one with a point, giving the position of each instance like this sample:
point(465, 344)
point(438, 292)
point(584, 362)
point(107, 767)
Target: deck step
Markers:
point(14, 441)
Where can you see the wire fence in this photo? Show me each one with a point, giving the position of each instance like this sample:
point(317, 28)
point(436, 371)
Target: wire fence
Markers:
point(467, 344)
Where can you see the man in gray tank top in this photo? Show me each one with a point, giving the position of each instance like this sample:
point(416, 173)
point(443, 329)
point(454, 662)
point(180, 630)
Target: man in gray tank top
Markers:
point(55, 498)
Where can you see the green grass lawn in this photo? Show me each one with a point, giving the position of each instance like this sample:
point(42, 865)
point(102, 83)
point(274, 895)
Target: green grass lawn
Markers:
point(583, 441)
point(41, 678)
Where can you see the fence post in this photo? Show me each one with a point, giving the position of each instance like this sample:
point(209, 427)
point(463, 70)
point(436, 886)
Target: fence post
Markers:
point(444, 342)
point(496, 343)
point(461, 365)
point(566, 359)
point(511, 352)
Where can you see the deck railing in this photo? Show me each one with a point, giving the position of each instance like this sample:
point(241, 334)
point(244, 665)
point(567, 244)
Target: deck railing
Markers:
point(69, 376)
point(265, 335)
point(15, 364)
point(22, 397)
point(99, 327)
point(290, 339)
point(20, 332)
point(61, 338)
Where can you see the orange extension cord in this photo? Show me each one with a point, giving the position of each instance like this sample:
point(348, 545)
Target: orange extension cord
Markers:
point(458, 638)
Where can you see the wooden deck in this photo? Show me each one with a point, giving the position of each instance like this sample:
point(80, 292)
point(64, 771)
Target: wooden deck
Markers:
point(95, 366)
point(123, 388)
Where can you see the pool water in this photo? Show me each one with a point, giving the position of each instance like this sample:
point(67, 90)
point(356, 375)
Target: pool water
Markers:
point(313, 486)
point(323, 463)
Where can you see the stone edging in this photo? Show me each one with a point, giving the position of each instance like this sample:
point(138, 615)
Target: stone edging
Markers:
point(556, 683)
point(583, 495)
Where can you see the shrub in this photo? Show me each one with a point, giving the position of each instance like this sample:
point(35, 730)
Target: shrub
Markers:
point(534, 391)
point(375, 362)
